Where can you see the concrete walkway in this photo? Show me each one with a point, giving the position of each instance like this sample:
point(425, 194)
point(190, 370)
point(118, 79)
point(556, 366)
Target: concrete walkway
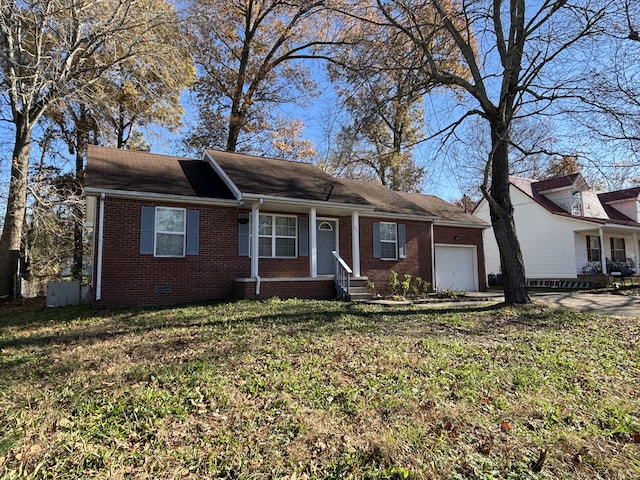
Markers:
point(605, 303)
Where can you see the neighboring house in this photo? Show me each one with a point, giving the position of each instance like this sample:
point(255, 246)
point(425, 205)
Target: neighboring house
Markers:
point(567, 230)
point(170, 230)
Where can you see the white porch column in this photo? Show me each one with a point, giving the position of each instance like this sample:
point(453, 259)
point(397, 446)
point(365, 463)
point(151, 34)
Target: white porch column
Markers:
point(255, 229)
point(603, 258)
point(355, 243)
point(635, 253)
point(313, 237)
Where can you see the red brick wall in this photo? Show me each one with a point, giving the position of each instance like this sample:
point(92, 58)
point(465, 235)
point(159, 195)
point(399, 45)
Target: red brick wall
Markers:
point(464, 236)
point(308, 289)
point(129, 278)
point(417, 263)
point(283, 267)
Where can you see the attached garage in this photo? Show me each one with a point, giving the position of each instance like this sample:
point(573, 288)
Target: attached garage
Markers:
point(456, 268)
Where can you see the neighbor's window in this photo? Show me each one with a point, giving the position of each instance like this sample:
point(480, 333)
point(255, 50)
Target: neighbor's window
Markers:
point(618, 252)
point(593, 249)
point(170, 231)
point(277, 236)
point(388, 241)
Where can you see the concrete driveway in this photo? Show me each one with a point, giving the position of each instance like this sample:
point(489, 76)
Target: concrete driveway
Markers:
point(606, 303)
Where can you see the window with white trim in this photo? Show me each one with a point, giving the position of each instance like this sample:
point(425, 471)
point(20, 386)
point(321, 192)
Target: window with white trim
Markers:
point(618, 251)
point(170, 232)
point(593, 249)
point(277, 236)
point(388, 241)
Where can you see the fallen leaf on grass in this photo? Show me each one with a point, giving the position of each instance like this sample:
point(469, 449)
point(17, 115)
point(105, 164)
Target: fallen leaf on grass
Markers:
point(636, 437)
point(505, 426)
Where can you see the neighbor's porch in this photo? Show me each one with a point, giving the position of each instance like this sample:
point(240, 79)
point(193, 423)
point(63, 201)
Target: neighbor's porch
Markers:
point(607, 251)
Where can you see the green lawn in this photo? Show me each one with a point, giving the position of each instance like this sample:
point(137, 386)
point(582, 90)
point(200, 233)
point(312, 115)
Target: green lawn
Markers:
point(318, 390)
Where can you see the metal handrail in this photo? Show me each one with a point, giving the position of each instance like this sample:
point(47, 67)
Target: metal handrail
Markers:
point(342, 278)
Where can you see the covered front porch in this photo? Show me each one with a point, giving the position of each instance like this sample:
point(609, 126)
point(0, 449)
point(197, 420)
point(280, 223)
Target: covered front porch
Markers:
point(309, 269)
point(608, 250)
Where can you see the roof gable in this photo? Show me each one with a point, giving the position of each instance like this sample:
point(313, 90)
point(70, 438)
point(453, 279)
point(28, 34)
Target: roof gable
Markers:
point(557, 182)
point(253, 175)
point(536, 190)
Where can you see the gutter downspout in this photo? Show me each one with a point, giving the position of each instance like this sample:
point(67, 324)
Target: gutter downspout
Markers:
point(433, 258)
point(100, 242)
point(255, 224)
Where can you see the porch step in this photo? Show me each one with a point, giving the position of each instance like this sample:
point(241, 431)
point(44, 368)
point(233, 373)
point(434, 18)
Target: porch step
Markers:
point(359, 282)
point(359, 290)
point(359, 294)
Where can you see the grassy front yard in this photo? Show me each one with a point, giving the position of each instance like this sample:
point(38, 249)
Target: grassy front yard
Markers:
point(318, 390)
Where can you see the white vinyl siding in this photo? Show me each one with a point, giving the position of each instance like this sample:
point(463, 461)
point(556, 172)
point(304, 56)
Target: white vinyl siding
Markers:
point(546, 240)
point(563, 198)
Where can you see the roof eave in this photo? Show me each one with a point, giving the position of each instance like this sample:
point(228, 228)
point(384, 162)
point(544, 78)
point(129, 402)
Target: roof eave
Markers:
point(166, 197)
point(256, 197)
point(453, 223)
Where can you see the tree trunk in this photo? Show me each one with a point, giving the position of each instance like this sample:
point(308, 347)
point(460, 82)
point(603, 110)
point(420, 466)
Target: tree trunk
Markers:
point(235, 126)
point(11, 239)
point(504, 228)
point(78, 215)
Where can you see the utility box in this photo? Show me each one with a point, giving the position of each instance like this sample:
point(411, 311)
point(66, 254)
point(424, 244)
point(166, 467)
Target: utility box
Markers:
point(61, 294)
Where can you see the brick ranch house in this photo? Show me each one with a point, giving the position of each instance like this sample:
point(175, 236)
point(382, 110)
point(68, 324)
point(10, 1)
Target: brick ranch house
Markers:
point(169, 230)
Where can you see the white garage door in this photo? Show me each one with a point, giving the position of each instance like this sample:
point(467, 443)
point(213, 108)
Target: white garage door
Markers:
point(456, 268)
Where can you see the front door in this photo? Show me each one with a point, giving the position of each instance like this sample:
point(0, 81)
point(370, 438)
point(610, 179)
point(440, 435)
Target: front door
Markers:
point(326, 240)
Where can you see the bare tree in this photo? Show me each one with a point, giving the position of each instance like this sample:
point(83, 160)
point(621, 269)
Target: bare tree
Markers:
point(249, 56)
point(51, 49)
point(511, 52)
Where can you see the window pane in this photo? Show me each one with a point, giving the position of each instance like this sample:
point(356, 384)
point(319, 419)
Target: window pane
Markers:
point(388, 231)
point(285, 247)
point(169, 244)
point(388, 250)
point(286, 226)
point(264, 247)
point(594, 242)
point(170, 220)
point(265, 227)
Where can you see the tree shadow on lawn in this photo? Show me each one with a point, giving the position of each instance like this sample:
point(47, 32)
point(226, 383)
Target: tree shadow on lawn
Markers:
point(149, 335)
point(105, 325)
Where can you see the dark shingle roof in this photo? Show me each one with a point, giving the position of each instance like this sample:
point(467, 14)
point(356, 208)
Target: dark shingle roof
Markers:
point(625, 194)
point(384, 199)
point(127, 170)
point(141, 172)
point(556, 182)
point(445, 210)
point(614, 215)
point(281, 178)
